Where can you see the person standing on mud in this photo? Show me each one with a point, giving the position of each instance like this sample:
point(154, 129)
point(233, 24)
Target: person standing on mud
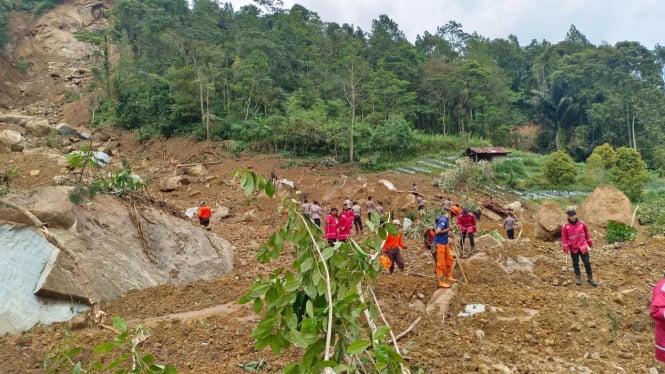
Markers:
point(380, 211)
point(444, 260)
point(420, 200)
point(657, 312)
point(391, 247)
point(414, 191)
point(509, 224)
point(466, 222)
point(575, 239)
point(369, 205)
point(347, 203)
point(204, 214)
point(315, 213)
point(331, 226)
point(306, 209)
point(344, 223)
point(357, 217)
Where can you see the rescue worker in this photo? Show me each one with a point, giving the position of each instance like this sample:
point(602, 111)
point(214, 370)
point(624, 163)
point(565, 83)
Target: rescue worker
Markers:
point(204, 214)
point(306, 209)
point(391, 247)
point(444, 260)
point(657, 312)
point(369, 205)
point(509, 224)
point(315, 213)
point(421, 204)
point(357, 217)
point(467, 225)
point(428, 240)
point(344, 224)
point(575, 239)
point(331, 226)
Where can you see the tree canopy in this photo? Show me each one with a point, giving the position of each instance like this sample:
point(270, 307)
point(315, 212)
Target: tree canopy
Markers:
point(285, 79)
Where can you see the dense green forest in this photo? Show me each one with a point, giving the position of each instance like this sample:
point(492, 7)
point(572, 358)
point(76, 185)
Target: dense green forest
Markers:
point(274, 79)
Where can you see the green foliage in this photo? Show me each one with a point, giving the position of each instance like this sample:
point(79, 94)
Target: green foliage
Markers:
point(658, 162)
point(38, 6)
point(71, 96)
point(605, 154)
point(316, 305)
point(595, 171)
point(467, 174)
point(559, 169)
point(120, 355)
point(619, 232)
point(629, 172)
point(652, 215)
point(102, 181)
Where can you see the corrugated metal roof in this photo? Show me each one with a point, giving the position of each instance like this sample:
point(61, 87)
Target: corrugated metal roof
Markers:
point(488, 150)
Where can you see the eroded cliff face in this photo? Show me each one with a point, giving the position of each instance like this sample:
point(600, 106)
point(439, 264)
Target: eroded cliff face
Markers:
point(44, 66)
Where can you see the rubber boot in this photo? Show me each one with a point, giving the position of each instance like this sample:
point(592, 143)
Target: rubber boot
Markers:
point(579, 280)
point(593, 282)
point(443, 284)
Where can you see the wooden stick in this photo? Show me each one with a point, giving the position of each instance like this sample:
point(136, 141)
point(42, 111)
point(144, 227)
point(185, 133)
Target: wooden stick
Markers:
point(408, 329)
point(632, 221)
point(458, 263)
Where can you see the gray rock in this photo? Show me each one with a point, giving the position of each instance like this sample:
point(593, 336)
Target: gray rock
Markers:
point(418, 306)
point(85, 135)
point(65, 129)
point(220, 213)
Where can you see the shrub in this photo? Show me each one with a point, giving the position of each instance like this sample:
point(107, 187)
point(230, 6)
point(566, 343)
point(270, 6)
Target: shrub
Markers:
point(559, 169)
point(629, 172)
point(652, 215)
point(618, 232)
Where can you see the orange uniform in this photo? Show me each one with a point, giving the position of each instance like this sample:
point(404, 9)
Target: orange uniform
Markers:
point(204, 212)
point(393, 242)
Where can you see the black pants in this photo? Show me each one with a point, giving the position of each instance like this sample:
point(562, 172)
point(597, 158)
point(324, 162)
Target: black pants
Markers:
point(396, 257)
point(585, 261)
point(464, 234)
point(317, 221)
point(511, 234)
point(358, 223)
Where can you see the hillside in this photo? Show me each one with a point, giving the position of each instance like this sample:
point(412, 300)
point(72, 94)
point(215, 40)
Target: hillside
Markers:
point(537, 320)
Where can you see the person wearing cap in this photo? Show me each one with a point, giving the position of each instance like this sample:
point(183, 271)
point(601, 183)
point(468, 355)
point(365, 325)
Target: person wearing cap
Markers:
point(391, 247)
point(204, 214)
point(444, 260)
point(657, 312)
point(575, 239)
point(466, 222)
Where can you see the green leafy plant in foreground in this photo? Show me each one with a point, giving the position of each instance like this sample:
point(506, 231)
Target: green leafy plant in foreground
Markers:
point(119, 356)
point(316, 305)
point(619, 232)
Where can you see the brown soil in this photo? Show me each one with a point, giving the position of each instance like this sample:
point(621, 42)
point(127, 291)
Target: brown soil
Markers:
point(537, 321)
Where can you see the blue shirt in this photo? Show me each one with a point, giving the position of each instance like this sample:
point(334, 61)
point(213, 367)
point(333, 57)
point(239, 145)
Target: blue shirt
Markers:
point(441, 238)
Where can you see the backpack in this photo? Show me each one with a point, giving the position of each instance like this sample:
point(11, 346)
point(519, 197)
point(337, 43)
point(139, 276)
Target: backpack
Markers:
point(427, 238)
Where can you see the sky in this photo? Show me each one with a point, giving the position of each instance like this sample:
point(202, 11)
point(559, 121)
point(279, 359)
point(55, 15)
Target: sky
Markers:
point(608, 21)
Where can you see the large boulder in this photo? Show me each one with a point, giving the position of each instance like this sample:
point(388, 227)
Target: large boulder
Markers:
point(549, 220)
point(10, 139)
point(51, 205)
point(38, 127)
point(606, 203)
point(486, 242)
point(439, 304)
point(120, 249)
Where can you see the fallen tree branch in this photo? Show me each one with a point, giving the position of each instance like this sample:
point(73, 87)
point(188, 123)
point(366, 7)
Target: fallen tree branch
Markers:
point(201, 163)
point(133, 212)
point(327, 353)
point(408, 330)
point(405, 369)
point(85, 282)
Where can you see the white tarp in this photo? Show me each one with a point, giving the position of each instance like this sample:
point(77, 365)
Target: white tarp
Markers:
point(24, 254)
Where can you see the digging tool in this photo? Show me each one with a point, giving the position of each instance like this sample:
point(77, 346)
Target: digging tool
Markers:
point(458, 263)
